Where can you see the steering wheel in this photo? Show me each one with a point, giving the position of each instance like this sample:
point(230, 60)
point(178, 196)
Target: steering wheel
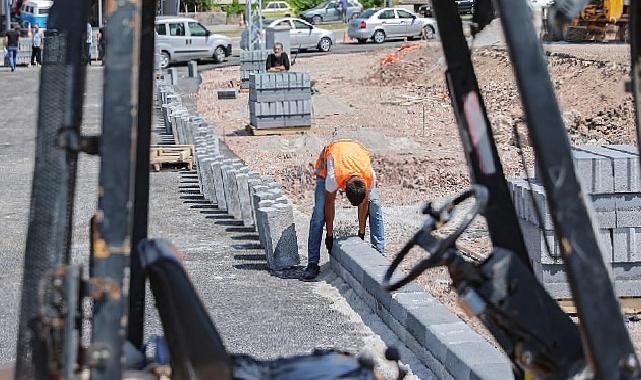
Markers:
point(437, 218)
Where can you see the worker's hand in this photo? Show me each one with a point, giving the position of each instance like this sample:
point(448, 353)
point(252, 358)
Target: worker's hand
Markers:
point(361, 235)
point(329, 242)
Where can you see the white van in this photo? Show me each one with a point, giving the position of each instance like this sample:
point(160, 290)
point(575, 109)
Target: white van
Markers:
point(35, 12)
point(182, 39)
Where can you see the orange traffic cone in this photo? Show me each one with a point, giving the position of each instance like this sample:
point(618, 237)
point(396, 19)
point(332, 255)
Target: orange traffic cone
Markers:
point(241, 21)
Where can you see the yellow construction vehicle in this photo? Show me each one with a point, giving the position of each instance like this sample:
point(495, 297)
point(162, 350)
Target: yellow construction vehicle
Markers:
point(600, 20)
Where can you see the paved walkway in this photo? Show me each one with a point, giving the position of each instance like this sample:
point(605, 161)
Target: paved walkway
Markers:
point(255, 312)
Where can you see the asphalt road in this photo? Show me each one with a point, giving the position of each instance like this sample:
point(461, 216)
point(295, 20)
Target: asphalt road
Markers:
point(255, 311)
point(338, 48)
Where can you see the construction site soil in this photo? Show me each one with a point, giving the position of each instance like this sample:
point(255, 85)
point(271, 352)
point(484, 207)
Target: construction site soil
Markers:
point(396, 103)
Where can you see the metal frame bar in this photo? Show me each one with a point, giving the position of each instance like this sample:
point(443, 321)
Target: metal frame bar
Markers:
point(136, 317)
point(476, 134)
point(61, 94)
point(113, 233)
point(606, 340)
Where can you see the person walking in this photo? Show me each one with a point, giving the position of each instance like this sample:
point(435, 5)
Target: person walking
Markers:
point(11, 41)
point(343, 165)
point(36, 46)
point(88, 43)
point(102, 43)
point(344, 5)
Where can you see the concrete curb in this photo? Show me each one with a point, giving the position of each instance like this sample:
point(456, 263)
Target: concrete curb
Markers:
point(257, 201)
point(441, 340)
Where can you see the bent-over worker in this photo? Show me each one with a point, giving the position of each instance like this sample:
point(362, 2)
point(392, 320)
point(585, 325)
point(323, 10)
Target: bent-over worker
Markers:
point(343, 165)
point(278, 61)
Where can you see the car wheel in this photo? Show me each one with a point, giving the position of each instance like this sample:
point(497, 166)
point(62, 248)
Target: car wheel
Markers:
point(324, 44)
point(316, 20)
point(361, 40)
point(164, 59)
point(379, 37)
point(219, 54)
point(429, 32)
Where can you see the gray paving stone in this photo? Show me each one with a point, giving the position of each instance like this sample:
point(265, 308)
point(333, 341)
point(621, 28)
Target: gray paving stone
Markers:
point(261, 222)
point(217, 180)
point(419, 319)
point(463, 357)
point(627, 244)
point(628, 210)
point(625, 166)
point(595, 173)
point(245, 201)
point(282, 242)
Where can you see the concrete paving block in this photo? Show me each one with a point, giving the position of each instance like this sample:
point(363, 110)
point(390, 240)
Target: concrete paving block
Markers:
point(490, 371)
point(282, 238)
point(626, 244)
point(625, 166)
point(420, 318)
point(595, 173)
point(628, 210)
point(245, 201)
point(233, 199)
point(462, 357)
point(217, 179)
point(261, 222)
point(535, 239)
point(438, 338)
point(629, 271)
point(627, 288)
point(402, 302)
point(263, 228)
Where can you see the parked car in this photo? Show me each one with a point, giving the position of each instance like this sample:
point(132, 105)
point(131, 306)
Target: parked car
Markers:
point(182, 39)
point(331, 11)
point(302, 35)
point(275, 9)
point(389, 23)
point(464, 7)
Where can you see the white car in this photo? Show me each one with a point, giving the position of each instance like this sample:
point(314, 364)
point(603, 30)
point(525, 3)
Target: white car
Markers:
point(302, 35)
point(182, 39)
point(380, 24)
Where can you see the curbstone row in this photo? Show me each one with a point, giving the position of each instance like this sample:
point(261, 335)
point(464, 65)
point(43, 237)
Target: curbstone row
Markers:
point(609, 178)
point(442, 341)
point(257, 201)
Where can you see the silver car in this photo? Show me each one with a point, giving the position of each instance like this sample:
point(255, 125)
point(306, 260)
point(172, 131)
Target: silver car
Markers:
point(302, 35)
point(182, 39)
point(389, 23)
point(331, 11)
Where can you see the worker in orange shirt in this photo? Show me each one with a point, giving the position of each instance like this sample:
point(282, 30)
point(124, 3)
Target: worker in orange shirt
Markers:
point(343, 165)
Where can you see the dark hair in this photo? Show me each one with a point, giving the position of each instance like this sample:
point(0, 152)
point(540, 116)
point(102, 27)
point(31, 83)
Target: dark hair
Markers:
point(355, 190)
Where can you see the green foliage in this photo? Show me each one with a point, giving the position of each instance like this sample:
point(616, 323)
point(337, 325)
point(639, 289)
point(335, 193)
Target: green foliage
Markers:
point(301, 5)
point(234, 8)
point(372, 3)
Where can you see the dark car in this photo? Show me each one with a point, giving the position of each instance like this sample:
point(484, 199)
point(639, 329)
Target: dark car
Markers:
point(464, 7)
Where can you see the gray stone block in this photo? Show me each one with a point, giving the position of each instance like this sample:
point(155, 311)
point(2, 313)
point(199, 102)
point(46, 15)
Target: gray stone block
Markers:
point(282, 243)
point(628, 210)
point(245, 201)
point(625, 166)
point(217, 180)
point(463, 357)
point(261, 221)
point(627, 244)
point(440, 337)
point(419, 318)
point(595, 173)
point(232, 198)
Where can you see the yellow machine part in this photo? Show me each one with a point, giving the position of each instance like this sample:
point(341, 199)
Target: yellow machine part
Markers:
point(604, 11)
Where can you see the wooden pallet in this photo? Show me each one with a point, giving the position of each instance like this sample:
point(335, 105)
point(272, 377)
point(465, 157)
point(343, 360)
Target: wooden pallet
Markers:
point(629, 305)
point(244, 90)
point(171, 155)
point(275, 131)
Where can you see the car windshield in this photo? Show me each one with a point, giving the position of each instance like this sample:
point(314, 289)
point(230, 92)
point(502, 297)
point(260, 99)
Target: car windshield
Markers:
point(367, 14)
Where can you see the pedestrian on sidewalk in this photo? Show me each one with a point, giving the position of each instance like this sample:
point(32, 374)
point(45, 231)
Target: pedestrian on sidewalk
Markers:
point(344, 4)
point(343, 165)
point(36, 46)
point(102, 43)
point(11, 41)
point(278, 61)
point(88, 43)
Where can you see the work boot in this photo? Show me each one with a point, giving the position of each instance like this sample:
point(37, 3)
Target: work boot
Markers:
point(311, 272)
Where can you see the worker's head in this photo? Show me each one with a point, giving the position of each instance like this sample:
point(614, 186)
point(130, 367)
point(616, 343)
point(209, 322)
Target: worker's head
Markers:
point(36, 26)
point(278, 49)
point(355, 190)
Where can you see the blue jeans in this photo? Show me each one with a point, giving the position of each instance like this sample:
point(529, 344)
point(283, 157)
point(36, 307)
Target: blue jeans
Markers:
point(316, 224)
point(13, 56)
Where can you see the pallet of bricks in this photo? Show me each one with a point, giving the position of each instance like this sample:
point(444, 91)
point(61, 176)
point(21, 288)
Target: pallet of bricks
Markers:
point(609, 177)
point(251, 62)
point(279, 102)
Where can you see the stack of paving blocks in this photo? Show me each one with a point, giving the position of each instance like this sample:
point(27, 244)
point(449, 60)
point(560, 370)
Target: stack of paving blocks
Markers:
point(609, 177)
point(252, 62)
point(280, 100)
point(257, 201)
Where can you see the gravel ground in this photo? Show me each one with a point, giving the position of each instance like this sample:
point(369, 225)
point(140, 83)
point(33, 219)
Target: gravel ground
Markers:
point(256, 312)
point(402, 112)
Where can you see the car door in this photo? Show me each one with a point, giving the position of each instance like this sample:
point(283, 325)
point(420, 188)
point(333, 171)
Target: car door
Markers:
point(198, 36)
point(305, 34)
point(179, 40)
point(332, 11)
point(391, 25)
point(293, 35)
point(412, 25)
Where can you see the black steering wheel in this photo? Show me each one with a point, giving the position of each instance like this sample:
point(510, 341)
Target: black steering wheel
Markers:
point(437, 218)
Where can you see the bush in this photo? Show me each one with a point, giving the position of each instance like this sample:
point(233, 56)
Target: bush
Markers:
point(372, 3)
point(234, 8)
point(301, 5)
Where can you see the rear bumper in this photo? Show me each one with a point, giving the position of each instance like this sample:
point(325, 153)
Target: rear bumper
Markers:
point(360, 33)
point(228, 50)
